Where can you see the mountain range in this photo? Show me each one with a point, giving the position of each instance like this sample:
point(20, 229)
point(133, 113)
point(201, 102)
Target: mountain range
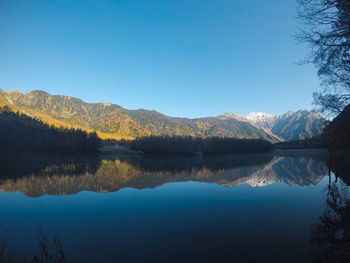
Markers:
point(113, 121)
point(298, 125)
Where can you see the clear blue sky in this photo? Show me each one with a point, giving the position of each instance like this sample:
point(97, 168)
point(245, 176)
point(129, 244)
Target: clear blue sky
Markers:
point(180, 57)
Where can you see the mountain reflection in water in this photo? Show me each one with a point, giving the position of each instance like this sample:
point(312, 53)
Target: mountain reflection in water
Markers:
point(37, 174)
point(194, 209)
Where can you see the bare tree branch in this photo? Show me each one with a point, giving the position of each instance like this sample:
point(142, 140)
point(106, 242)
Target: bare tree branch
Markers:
point(327, 33)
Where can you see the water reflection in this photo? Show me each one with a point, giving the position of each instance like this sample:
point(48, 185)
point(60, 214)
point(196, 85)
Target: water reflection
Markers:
point(175, 222)
point(47, 249)
point(39, 174)
point(331, 232)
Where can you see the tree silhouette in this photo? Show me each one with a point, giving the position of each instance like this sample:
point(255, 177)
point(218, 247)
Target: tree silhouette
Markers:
point(332, 232)
point(196, 145)
point(21, 132)
point(327, 32)
point(48, 250)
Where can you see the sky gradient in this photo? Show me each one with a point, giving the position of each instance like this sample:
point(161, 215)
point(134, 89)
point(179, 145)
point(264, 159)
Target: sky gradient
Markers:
point(182, 58)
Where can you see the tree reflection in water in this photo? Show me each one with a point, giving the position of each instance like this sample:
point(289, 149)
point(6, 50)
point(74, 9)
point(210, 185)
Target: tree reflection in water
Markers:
point(36, 175)
point(332, 231)
point(47, 250)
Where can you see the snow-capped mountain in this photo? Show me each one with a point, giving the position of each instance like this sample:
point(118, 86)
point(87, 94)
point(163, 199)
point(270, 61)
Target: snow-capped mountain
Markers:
point(230, 115)
point(261, 119)
point(292, 125)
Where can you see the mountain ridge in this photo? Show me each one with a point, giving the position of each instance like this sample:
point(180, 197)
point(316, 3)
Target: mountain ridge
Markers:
point(113, 121)
point(309, 123)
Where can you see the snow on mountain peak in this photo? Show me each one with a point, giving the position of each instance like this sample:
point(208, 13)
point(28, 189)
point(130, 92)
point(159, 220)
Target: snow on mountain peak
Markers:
point(230, 115)
point(259, 116)
point(253, 116)
point(264, 120)
point(284, 125)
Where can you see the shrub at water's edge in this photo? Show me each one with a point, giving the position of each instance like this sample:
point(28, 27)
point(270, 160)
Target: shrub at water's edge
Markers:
point(192, 145)
point(21, 132)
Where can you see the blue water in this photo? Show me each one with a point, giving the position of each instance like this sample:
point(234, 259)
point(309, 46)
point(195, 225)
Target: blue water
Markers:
point(187, 221)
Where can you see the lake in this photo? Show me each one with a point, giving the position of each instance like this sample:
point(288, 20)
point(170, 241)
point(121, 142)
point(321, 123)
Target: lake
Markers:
point(93, 208)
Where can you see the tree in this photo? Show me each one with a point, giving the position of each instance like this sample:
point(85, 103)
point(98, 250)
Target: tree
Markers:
point(21, 132)
point(327, 32)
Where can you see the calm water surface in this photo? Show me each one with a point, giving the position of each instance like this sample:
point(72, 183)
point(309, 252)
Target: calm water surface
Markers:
point(253, 208)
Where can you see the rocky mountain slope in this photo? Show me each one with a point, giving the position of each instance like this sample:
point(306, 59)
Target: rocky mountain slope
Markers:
point(290, 126)
point(113, 121)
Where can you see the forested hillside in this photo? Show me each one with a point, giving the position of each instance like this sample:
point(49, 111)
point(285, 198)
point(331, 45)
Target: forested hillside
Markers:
point(338, 131)
point(21, 132)
point(112, 121)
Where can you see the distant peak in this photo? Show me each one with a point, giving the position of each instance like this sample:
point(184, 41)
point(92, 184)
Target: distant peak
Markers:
point(227, 114)
point(15, 92)
point(259, 115)
point(288, 113)
point(34, 92)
